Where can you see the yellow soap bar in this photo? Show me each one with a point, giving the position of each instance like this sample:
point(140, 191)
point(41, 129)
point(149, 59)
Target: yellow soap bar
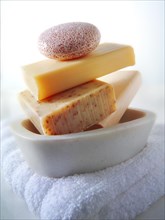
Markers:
point(48, 77)
point(71, 111)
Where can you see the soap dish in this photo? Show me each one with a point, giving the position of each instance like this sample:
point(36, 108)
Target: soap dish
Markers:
point(88, 151)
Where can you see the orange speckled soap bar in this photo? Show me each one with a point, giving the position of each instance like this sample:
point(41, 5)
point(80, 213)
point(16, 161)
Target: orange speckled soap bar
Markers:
point(71, 111)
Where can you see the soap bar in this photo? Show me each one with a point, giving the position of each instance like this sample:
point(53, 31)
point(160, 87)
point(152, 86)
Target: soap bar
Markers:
point(71, 111)
point(125, 84)
point(48, 77)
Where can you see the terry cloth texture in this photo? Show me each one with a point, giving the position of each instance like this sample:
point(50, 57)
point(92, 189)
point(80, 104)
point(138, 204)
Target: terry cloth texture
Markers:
point(119, 192)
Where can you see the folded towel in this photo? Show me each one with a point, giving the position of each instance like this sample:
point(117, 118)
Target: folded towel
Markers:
point(120, 192)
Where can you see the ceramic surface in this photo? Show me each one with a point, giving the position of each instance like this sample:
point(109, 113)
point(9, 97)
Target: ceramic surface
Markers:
point(88, 151)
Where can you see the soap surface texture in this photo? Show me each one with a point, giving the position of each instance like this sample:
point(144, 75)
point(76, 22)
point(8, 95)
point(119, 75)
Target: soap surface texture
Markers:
point(48, 77)
point(71, 111)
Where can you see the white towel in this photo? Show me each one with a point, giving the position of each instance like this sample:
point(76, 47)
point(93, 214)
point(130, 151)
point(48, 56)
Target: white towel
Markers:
point(120, 192)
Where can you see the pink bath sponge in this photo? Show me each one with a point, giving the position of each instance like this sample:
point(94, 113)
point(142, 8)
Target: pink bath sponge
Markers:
point(69, 41)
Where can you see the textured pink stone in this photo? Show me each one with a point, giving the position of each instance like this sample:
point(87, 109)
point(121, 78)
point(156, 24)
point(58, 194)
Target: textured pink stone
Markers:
point(69, 41)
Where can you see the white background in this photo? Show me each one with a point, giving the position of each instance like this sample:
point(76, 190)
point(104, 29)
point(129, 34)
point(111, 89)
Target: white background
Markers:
point(138, 23)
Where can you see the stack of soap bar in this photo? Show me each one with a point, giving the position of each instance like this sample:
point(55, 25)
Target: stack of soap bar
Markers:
point(48, 77)
point(70, 111)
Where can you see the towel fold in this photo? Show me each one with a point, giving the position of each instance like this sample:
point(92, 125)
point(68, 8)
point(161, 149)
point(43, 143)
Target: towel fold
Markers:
point(120, 192)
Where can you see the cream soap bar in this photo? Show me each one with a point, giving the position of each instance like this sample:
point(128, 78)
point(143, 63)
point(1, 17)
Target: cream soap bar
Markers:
point(71, 111)
point(48, 77)
point(126, 85)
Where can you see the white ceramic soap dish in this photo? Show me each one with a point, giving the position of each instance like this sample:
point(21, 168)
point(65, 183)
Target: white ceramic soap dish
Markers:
point(62, 155)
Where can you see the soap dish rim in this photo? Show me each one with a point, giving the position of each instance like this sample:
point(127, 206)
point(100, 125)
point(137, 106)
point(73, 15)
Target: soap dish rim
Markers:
point(17, 126)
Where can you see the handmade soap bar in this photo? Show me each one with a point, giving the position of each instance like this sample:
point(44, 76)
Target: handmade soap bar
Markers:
point(71, 111)
point(48, 77)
